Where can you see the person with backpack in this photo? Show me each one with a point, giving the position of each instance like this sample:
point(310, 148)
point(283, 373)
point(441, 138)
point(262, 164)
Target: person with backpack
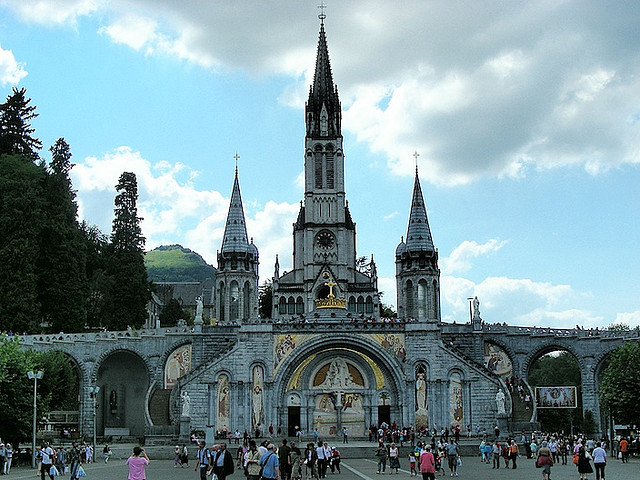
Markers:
point(269, 463)
point(204, 460)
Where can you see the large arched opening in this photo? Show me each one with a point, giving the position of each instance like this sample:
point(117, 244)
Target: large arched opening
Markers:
point(123, 379)
point(554, 375)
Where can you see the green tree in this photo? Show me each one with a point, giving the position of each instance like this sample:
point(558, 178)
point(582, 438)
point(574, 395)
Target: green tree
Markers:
point(265, 299)
point(22, 213)
point(95, 245)
point(621, 384)
point(619, 327)
point(15, 127)
point(171, 312)
point(16, 391)
point(127, 290)
point(62, 285)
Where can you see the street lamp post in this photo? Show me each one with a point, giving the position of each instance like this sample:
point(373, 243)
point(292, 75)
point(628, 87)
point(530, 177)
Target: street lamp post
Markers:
point(35, 377)
point(94, 393)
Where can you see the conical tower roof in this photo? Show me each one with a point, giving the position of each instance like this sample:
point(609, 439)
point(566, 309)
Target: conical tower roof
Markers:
point(418, 231)
point(235, 231)
point(323, 94)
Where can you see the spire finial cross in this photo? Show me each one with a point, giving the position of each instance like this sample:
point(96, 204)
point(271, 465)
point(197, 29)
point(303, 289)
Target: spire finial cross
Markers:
point(236, 157)
point(322, 15)
point(416, 155)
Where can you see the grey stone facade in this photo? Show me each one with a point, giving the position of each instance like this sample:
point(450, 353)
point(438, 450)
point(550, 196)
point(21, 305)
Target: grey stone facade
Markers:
point(326, 359)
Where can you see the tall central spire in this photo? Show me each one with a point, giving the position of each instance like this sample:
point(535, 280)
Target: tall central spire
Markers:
point(235, 231)
point(323, 111)
point(418, 231)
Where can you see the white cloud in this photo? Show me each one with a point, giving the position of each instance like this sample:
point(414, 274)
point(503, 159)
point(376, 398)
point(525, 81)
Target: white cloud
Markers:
point(460, 258)
point(481, 91)
point(630, 318)
point(53, 12)
point(11, 72)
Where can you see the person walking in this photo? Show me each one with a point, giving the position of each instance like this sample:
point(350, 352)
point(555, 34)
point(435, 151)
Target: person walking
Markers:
point(453, 452)
point(599, 460)
point(513, 453)
point(311, 462)
point(269, 463)
point(295, 458)
point(345, 435)
point(137, 463)
point(584, 464)
point(496, 450)
point(427, 464)
point(204, 460)
point(252, 461)
point(74, 458)
point(394, 459)
point(46, 461)
point(381, 454)
point(544, 460)
point(283, 460)
point(222, 462)
point(7, 459)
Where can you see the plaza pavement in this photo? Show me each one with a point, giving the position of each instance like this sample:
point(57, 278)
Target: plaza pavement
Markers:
point(356, 469)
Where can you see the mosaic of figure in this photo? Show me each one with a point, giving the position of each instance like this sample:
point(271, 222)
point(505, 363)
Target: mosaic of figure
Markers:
point(422, 410)
point(338, 375)
point(455, 399)
point(257, 400)
point(496, 360)
point(178, 364)
point(224, 402)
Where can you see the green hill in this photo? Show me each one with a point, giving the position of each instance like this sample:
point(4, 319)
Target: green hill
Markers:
point(174, 263)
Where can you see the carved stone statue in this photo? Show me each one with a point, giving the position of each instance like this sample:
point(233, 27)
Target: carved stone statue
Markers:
point(476, 309)
point(186, 404)
point(501, 402)
point(199, 308)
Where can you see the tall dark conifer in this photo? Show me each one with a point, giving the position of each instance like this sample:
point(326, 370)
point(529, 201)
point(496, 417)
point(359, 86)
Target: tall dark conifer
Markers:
point(22, 213)
point(63, 285)
point(15, 127)
point(129, 289)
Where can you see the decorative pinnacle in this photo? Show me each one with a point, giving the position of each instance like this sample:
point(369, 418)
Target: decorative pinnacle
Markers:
point(322, 15)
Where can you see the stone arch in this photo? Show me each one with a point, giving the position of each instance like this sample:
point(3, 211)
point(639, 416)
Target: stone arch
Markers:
point(124, 377)
point(542, 349)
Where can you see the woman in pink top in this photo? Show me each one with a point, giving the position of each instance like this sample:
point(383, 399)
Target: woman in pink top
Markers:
point(137, 463)
point(427, 464)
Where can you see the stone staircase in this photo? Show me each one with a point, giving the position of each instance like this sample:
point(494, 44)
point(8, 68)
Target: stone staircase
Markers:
point(521, 415)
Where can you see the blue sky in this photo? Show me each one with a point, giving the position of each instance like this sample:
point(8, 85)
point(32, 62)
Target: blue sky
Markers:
point(525, 114)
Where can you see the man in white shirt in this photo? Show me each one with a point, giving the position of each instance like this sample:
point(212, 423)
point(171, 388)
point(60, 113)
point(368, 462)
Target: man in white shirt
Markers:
point(46, 458)
point(599, 461)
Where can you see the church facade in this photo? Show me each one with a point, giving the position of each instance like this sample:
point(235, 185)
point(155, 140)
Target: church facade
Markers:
point(325, 360)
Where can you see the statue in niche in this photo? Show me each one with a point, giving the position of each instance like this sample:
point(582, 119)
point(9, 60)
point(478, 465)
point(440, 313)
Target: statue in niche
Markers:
point(338, 375)
point(501, 402)
point(113, 402)
point(186, 403)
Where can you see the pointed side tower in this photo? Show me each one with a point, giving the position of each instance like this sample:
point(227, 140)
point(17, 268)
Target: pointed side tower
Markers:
point(417, 272)
point(237, 276)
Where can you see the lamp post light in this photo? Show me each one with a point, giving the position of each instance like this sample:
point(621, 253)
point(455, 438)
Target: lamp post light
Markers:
point(35, 377)
point(470, 299)
point(93, 391)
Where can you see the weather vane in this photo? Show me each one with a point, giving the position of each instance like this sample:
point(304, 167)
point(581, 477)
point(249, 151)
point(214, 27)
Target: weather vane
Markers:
point(322, 15)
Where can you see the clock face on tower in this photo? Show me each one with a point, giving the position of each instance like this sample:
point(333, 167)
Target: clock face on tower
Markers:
point(325, 240)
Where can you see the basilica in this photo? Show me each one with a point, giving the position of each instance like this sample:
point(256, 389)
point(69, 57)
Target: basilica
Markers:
point(325, 360)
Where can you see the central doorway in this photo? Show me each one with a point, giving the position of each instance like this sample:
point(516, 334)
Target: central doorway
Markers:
point(293, 420)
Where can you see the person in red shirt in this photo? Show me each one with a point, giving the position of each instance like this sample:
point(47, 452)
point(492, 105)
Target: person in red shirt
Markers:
point(427, 464)
point(624, 448)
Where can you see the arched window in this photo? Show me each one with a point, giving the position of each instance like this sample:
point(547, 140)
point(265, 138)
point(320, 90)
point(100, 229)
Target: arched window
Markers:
point(234, 301)
point(299, 306)
point(246, 313)
point(423, 296)
point(410, 300)
point(368, 307)
point(434, 299)
point(291, 306)
point(352, 304)
point(282, 306)
point(360, 304)
point(222, 302)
